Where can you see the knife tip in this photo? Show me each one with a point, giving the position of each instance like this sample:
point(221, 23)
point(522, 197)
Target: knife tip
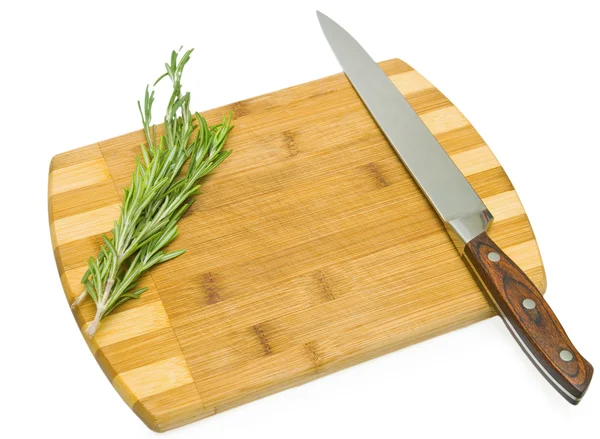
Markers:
point(323, 19)
point(320, 15)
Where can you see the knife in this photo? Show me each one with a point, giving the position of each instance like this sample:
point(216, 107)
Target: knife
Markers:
point(514, 296)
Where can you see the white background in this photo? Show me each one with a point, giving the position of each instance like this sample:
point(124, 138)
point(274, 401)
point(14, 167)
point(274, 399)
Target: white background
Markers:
point(524, 73)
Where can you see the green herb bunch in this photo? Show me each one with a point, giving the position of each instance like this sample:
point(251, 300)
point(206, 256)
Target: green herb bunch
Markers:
point(161, 191)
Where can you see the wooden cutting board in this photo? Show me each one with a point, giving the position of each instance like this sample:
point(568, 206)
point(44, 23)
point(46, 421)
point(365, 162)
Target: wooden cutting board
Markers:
point(310, 250)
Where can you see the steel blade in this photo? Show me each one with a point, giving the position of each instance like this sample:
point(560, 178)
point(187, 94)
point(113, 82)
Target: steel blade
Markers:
point(447, 189)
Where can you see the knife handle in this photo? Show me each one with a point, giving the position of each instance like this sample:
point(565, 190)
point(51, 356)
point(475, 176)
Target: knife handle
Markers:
point(529, 318)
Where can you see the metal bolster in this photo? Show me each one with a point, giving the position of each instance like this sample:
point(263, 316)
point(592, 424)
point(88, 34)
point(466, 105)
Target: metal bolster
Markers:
point(462, 230)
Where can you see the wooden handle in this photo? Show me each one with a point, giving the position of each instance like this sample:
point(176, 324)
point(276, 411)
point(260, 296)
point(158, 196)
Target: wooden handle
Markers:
point(529, 318)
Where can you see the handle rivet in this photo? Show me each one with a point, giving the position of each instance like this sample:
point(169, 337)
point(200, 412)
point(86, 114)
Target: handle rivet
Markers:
point(529, 304)
point(493, 256)
point(566, 355)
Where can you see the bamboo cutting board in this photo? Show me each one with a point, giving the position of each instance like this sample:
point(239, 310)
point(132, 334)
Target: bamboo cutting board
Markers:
point(310, 250)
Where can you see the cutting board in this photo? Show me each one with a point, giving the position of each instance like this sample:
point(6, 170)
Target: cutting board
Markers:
point(310, 250)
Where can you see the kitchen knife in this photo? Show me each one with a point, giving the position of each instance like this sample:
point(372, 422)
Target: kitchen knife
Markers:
point(513, 295)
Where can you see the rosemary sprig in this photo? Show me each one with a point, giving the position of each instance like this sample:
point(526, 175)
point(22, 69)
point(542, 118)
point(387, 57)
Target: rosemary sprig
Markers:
point(159, 194)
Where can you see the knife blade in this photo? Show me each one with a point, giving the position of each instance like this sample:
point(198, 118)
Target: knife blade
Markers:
point(514, 296)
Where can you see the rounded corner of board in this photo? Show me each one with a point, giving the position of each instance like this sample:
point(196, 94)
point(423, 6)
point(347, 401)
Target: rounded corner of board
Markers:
point(149, 420)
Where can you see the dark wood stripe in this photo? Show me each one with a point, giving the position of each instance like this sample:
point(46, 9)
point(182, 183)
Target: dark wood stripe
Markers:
point(491, 182)
point(394, 66)
point(324, 285)
point(75, 254)
point(59, 262)
point(378, 177)
point(427, 100)
point(211, 288)
point(512, 231)
point(138, 351)
point(260, 333)
point(175, 407)
point(459, 140)
point(313, 355)
point(83, 199)
point(75, 156)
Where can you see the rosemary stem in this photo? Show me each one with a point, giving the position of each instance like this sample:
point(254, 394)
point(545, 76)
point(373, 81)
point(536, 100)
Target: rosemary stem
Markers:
point(91, 330)
point(109, 284)
point(100, 308)
point(79, 299)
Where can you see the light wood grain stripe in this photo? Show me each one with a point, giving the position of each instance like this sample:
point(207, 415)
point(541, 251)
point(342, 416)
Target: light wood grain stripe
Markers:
point(526, 255)
point(475, 160)
point(128, 324)
point(152, 379)
point(85, 224)
point(78, 176)
point(504, 205)
point(444, 119)
point(410, 82)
